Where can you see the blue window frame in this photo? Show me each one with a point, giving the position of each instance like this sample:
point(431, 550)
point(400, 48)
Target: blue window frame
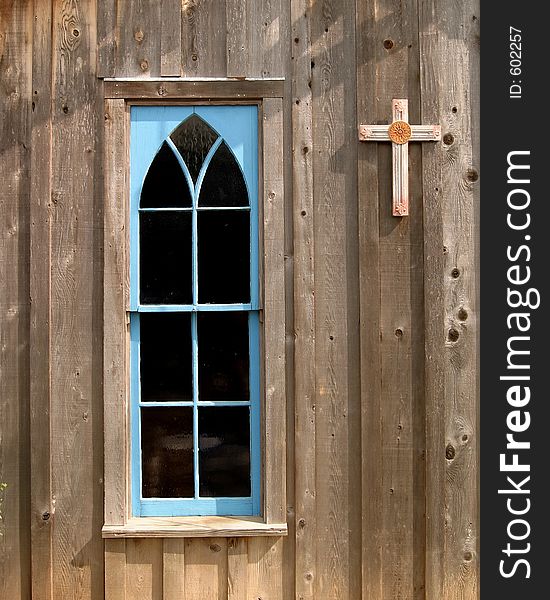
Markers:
point(194, 311)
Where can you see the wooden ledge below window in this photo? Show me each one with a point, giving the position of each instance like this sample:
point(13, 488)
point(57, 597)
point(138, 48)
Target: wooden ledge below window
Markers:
point(165, 527)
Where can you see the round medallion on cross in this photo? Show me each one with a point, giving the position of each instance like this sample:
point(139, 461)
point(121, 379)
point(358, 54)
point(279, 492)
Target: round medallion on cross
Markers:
point(399, 132)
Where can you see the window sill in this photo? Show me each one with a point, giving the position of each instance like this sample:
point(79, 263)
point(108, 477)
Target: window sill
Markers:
point(179, 527)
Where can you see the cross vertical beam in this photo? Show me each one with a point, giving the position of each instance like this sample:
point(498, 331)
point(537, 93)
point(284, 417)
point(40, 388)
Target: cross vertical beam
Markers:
point(400, 133)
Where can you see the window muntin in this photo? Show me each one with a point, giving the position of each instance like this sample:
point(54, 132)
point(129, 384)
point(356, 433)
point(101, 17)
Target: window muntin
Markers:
point(194, 264)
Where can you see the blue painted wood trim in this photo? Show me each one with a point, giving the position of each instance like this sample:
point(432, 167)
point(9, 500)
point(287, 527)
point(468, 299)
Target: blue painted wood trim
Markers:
point(195, 307)
point(173, 403)
point(195, 355)
point(135, 417)
point(150, 127)
point(173, 507)
point(255, 410)
point(204, 167)
point(182, 164)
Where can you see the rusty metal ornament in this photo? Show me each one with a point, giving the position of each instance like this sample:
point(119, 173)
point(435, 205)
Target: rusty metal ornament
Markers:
point(399, 132)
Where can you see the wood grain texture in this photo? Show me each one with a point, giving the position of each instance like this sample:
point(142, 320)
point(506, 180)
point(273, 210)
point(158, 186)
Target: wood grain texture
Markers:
point(115, 570)
point(452, 509)
point(114, 313)
point(107, 37)
point(237, 38)
point(206, 568)
point(265, 568)
point(40, 308)
point(398, 541)
point(266, 38)
point(369, 272)
point(336, 319)
point(76, 281)
point(304, 304)
point(274, 314)
point(15, 100)
point(237, 567)
point(173, 569)
point(139, 27)
point(217, 526)
point(370, 299)
point(144, 569)
point(208, 89)
point(204, 35)
point(170, 38)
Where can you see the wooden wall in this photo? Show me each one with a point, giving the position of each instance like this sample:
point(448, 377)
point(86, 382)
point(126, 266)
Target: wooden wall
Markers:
point(381, 312)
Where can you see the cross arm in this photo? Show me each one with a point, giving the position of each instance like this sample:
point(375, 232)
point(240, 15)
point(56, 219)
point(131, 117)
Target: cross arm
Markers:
point(425, 133)
point(374, 133)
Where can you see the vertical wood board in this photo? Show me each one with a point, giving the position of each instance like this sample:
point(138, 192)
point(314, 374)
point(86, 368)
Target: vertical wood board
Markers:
point(76, 281)
point(40, 304)
point(304, 303)
point(15, 101)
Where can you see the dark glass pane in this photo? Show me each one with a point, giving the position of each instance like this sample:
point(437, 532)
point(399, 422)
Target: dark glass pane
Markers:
point(167, 452)
point(223, 356)
point(224, 452)
point(165, 185)
point(223, 184)
point(194, 138)
point(165, 347)
point(165, 258)
point(224, 256)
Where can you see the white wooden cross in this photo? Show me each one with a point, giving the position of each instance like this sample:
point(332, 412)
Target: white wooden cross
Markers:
point(400, 133)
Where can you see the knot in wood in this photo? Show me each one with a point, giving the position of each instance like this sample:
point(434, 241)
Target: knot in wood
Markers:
point(453, 335)
point(399, 132)
point(462, 314)
point(450, 452)
point(448, 139)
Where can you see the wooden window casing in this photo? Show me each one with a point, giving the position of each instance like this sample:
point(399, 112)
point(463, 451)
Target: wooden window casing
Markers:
point(120, 95)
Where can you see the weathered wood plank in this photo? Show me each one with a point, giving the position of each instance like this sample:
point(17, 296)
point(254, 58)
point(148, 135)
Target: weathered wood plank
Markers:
point(114, 313)
point(107, 35)
point(173, 569)
point(213, 526)
point(206, 568)
point(397, 255)
point(170, 38)
point(289, 541)
point(139, 47)
point(40, 309)
point(237, 38)
point(15, 106)
point(144, 569)
point(237, 569)
point(451, 280)
point(232, 90)
point(76, 356)
point(435, 360)
point(266, 38)
point(115, 570)
point(369, 277)
point(274, 314)
point(265, 568)
point(304, 304)
point(334, 162)
point(204, 35)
